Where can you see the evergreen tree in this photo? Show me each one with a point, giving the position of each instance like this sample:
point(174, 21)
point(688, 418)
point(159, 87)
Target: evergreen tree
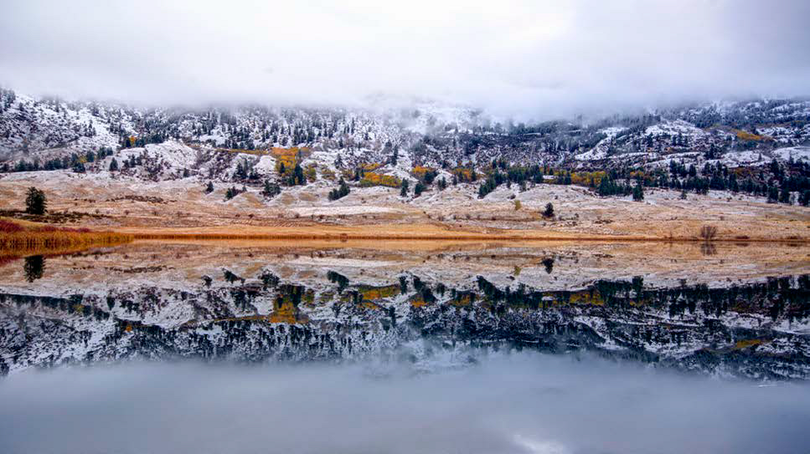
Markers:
point(36, 202)
point(638, 192)
point(341, 191)
point(804, 198)
point(418, 189)
point(549, 211)
point(210, 188)
point(404, 191)
point(113, 165)
point(784, 195)
point(270, 189)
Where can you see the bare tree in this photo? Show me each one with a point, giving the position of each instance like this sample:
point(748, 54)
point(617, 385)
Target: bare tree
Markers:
point(708, 232)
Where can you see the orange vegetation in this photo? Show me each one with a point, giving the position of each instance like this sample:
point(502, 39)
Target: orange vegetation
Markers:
point(419, 171)
point(585, 178)
point(463, 174)
point(289, 157)
point(372, 166)
point(25, 238)
point(743, 135)
point(376, 179)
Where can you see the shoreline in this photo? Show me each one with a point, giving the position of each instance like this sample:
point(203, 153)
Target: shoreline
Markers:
point(460, 238)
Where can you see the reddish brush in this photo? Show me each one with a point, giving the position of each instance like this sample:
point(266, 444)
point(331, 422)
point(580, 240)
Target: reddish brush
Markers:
point(5, 259)
point(9, 227)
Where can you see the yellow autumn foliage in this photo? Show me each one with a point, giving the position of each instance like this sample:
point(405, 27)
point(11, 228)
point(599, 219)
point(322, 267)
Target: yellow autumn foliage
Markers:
point(376, 179)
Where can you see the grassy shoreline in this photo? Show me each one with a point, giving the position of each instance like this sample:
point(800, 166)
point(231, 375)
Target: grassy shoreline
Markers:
point(422, 232)
point(26, 237)
point(505, 237)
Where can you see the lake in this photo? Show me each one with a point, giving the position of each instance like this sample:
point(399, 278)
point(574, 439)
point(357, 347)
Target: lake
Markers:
point(406, 347)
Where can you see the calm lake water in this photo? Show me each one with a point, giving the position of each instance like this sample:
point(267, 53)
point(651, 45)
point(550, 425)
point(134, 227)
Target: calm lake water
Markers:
point(268, 347)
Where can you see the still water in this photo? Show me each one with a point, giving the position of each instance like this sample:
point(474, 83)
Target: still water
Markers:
point(229, 347)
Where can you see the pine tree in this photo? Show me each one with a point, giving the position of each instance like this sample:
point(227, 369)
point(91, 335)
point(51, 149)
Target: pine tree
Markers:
point(210, 188)
point(549, 211)
point(113, 165)
point(638, 193)
point(36, 202)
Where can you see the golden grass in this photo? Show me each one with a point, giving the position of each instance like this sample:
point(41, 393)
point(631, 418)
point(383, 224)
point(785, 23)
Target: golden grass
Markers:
point(416, 232)
point(19, 237)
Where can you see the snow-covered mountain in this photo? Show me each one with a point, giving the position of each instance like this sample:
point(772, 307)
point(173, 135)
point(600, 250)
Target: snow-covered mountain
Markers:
point(716, 146)
point(430, 134)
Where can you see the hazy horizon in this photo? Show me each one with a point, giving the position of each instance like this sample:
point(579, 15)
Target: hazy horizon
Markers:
point(524, 60)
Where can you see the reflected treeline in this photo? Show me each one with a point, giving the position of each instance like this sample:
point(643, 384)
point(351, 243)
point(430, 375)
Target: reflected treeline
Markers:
point(751, 330)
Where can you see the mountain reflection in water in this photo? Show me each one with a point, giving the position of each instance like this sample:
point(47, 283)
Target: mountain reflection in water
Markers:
point(719, 315)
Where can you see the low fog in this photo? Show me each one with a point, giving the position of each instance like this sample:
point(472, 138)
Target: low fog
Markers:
point(526, 59)
point(517, 403)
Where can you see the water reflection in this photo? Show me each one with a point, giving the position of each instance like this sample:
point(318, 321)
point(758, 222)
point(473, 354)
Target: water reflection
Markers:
point(721, 315)
point(34, 267)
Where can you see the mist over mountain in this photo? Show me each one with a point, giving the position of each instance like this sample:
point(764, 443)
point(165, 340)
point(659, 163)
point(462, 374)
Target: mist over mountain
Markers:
point(527, 60)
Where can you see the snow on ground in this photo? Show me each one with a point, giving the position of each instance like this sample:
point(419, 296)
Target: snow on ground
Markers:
point(673, 128)
point(800, 153)
point(343, 210)
point(743, 158)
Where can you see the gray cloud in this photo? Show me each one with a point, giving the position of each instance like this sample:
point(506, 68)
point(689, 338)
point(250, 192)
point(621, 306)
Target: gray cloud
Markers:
point(519, 403)
point(520, 58)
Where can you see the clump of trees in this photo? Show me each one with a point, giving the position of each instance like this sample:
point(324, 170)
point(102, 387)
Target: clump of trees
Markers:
point(296, 177)
point(233, 192)
point(341, 191)
point(270, 189)
point(74, 161)
point(36, 202)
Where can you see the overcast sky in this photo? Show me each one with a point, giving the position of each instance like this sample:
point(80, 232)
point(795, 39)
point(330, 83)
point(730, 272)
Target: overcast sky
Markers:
point(521, 58)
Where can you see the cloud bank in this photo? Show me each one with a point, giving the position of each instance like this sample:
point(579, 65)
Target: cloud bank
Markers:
point(534, 58)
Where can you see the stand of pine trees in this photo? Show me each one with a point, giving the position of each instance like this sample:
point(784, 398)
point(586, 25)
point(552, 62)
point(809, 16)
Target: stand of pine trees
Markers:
point(341, 191)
